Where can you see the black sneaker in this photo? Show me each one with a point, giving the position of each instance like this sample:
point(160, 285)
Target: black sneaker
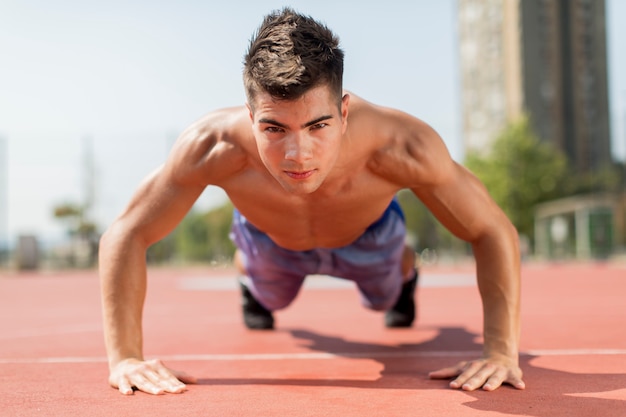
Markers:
point(255, 316)
point(402, 314)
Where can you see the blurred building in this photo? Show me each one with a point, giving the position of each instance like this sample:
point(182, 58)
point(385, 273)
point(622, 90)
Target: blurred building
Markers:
point(4, 198)
point(579, 227)
point(543, 57)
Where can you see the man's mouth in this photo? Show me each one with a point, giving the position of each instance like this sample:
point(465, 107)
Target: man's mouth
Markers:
point(300, 175)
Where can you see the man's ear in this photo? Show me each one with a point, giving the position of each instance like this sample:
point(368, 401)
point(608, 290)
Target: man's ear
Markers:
point(250, 113)
point(345, 102)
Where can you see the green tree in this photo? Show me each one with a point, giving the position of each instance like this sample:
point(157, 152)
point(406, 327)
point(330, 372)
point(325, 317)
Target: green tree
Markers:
point(203, 236)
point(520, 172)
point(81, 230)
point(424, 230)
point(200, 237)
point(609, 178)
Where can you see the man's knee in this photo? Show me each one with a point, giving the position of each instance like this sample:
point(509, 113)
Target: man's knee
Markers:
point(274, 294)
point(408, 262)
point(381, 304)
point(238, 260)
point(275, 300)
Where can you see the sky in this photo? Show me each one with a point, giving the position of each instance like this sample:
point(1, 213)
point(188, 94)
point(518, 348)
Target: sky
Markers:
point(115, 82)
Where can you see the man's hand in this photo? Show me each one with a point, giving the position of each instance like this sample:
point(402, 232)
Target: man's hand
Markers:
point(489, 375)
point(148, 376)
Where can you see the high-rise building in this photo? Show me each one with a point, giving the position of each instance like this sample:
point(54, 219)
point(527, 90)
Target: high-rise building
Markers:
point(545, 58)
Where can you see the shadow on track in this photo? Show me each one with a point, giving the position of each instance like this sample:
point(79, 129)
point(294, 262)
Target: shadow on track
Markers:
point(549, 392)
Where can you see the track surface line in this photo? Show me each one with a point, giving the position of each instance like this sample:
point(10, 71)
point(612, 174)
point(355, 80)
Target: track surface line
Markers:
point(317, 356)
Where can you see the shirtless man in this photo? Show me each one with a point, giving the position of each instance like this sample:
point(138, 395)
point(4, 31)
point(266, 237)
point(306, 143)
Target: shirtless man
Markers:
point(312, 172)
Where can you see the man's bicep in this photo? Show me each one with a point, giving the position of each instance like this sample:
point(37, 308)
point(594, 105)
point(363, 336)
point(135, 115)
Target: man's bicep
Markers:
point(158, 205)
point(460, 202)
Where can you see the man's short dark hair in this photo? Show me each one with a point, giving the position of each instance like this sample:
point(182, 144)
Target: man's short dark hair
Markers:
point(289, 55)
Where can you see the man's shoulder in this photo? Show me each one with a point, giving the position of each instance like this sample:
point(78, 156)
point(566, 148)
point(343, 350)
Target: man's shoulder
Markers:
point(381, 118)
point(215, 145)
point(228, 127)
point(388, 129)
point(403, 148)
point(225, 122)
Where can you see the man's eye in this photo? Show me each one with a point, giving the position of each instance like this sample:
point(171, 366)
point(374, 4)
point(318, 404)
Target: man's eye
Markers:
point(319, 125)
point(273, 129)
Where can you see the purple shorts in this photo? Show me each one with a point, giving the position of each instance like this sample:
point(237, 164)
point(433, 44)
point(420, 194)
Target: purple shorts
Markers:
point(373, 262)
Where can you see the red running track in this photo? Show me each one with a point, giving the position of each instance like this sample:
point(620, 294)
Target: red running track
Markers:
point(328, 356)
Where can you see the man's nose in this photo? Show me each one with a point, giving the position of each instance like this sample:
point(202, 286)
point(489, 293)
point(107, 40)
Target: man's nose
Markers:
point(298, 148)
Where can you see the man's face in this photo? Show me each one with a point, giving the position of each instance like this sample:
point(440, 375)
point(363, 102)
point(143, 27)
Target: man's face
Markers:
point(299, 140)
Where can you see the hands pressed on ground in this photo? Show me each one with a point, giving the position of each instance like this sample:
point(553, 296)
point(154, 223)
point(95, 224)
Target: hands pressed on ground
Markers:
point(152, 377)
point(481, 373)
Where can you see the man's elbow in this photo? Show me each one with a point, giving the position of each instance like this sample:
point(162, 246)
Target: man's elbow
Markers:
point(499, 231)
point(118, 239)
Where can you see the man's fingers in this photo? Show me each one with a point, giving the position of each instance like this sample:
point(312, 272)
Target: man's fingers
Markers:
point(449, 372)
point(142, 383)
point(154, 376)
point(125, 387)
point(494, 379)
point(174, 380)
point(151, 377)
point(516, 381)
point(473, 375)
point(160, 379)
point(172, 384)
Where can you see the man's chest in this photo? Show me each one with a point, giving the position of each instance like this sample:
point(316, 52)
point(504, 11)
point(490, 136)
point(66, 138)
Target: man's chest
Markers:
point(315, 221)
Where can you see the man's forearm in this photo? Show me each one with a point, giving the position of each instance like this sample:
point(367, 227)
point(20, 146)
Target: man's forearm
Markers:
point(123, 289)
point(498, 272)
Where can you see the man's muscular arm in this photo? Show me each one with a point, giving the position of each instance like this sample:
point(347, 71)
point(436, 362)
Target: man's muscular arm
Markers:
point(160, 203)
point(418, 159)
point(154, 211)
point(462, 204)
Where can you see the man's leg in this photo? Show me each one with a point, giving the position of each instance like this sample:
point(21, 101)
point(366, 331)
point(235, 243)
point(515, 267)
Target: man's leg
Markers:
point(269, 281)
point(402, 314)
point(270, 276)
point(383, 267)
point(255, 316)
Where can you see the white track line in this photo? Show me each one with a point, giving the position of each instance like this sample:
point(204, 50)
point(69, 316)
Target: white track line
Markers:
point(315, 355)
point(321, 282)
